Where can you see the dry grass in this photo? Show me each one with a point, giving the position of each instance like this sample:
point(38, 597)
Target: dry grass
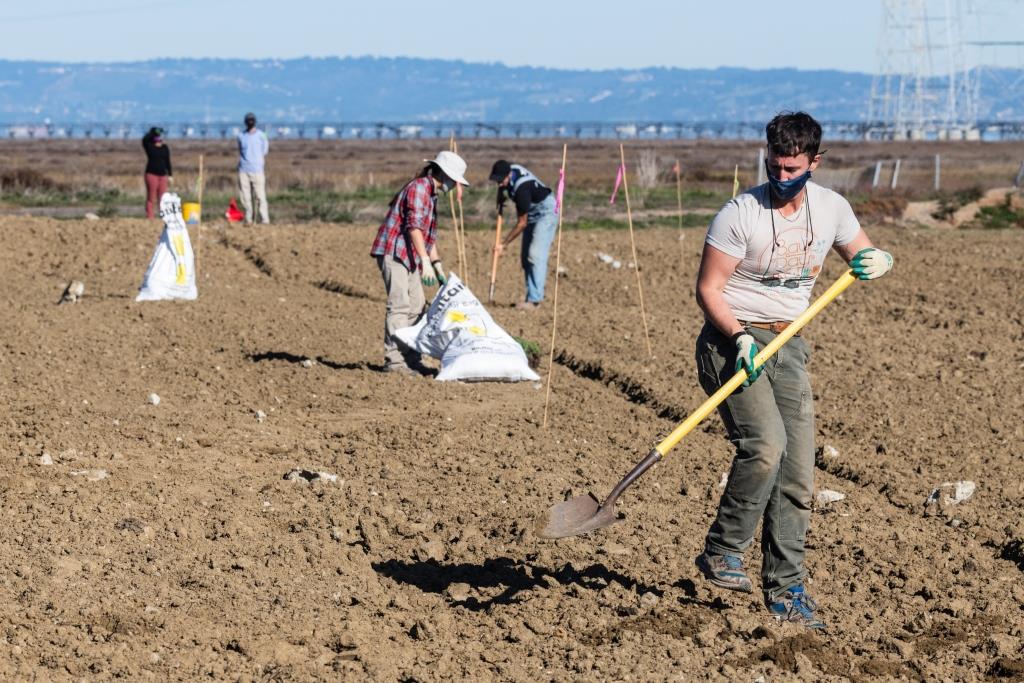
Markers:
point(339, 180)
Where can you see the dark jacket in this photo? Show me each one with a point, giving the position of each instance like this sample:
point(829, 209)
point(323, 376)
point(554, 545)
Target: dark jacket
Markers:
point(158, 159)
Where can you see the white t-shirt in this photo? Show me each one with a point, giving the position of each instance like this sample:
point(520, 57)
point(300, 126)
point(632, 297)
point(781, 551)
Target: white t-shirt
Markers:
point(774, 281)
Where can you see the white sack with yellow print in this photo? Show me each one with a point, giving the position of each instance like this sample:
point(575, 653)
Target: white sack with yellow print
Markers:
point(171, 273)
point(472, 347)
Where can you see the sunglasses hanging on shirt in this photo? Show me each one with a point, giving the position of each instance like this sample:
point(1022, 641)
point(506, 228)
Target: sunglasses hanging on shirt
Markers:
point(789, 283)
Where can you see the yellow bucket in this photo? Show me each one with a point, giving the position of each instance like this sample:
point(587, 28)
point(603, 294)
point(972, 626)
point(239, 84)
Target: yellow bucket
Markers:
point(190, 212)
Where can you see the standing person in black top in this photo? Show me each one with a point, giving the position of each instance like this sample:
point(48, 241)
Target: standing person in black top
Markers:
point(537, 223)
point(158, 167)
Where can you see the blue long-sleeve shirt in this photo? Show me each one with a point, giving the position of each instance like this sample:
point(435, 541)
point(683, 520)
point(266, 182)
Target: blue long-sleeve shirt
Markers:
point(252, 147)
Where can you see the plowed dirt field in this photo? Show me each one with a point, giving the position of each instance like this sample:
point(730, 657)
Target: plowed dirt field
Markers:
point(194, 558)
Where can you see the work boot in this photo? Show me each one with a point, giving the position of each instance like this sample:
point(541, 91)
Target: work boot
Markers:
point(796, 607)
point(527, 305)
point(725, 571)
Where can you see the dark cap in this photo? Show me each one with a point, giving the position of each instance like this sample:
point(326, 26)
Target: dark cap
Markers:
point(500, 169)
point(250, 118)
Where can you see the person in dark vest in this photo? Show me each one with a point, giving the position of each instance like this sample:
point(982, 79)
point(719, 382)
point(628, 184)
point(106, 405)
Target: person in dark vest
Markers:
point(537, 223)
point(158, 167)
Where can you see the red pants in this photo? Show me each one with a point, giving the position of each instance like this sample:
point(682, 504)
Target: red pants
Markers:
point(156, 185)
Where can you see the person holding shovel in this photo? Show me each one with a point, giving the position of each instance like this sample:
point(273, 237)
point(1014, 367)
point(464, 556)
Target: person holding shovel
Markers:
point(762, 254)
point(406, 252)
point(537, 223)
point(158, 167)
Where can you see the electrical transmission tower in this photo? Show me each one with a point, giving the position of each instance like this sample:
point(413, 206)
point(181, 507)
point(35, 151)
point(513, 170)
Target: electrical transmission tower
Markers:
point(924, 87)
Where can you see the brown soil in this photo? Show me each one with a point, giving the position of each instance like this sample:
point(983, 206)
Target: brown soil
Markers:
point(195, 557)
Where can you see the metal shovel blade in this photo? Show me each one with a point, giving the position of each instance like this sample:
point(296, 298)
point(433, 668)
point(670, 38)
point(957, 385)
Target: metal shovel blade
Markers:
point(574, 517)
point(583, 514)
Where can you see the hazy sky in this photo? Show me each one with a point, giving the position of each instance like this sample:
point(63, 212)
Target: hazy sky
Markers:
point(829, 34)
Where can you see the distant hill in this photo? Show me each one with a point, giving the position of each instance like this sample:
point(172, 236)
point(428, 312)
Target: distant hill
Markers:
point(403, 89)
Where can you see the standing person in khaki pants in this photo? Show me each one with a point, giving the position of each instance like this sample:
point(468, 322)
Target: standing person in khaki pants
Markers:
point(252, 148)
point(762, 254)
point(406, 252)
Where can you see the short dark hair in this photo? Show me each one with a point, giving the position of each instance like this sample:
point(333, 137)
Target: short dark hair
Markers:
point(500, 169)
point(792, 133)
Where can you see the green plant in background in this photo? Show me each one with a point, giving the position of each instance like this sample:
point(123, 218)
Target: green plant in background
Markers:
point(1005, 215)
point(690, 220)
point(532, 351)
point(951, 203)
point(108, 204)
point(107, 210)
point(327, 211)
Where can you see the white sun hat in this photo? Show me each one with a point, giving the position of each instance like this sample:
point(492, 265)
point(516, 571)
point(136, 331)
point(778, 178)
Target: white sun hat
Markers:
point(453, 166)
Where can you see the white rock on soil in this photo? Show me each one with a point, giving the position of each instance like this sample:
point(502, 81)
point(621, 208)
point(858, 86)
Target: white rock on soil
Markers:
point(831, 451)
point(955, 493)
point(73, 292)
point(91, 216)
point(260, 416)
point(307, 363)
point(826, 496)
point(306, 476)
point(91, 475)
point(962, 490)
point(154, 399)
point(45, 459)
point(725, 480)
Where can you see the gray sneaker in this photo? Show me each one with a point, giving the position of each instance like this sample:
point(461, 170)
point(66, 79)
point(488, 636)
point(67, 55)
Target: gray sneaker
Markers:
point(725, 571)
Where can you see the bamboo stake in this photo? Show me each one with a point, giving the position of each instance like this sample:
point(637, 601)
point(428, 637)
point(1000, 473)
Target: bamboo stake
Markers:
point(462, 229)
point(461, 226)
point(679, 199)
point(632, 241)
point(679, 195)
point(199, 232)
point(494, 260)
point(554, 311)
point(455, 220)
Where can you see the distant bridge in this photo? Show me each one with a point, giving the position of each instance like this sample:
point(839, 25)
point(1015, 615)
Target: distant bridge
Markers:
point(657, 130)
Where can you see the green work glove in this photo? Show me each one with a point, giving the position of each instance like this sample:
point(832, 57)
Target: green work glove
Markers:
point(439, 270)
point(870, 263)
point(427, 275)
point(746, 349)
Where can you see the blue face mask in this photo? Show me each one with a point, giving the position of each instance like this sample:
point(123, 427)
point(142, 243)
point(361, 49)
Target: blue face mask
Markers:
point(787, 189)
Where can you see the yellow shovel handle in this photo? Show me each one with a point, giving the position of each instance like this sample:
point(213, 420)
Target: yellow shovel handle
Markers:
point(774, 345)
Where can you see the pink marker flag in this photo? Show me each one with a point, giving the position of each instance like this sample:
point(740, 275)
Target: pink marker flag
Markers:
point(618, 182)
point(560, 192)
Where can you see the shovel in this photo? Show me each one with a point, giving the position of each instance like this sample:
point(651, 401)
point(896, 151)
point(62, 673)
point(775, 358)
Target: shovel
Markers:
point(583, 514)
point(494, 260)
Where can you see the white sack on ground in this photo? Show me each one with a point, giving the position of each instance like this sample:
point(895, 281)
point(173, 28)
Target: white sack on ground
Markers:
point(171, 273)
point(459, 330)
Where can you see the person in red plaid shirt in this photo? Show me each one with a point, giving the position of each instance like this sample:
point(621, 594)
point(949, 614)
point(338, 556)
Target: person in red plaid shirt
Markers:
point(406, 252)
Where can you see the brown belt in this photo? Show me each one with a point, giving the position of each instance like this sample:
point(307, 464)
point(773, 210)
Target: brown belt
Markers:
point(777, 326)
